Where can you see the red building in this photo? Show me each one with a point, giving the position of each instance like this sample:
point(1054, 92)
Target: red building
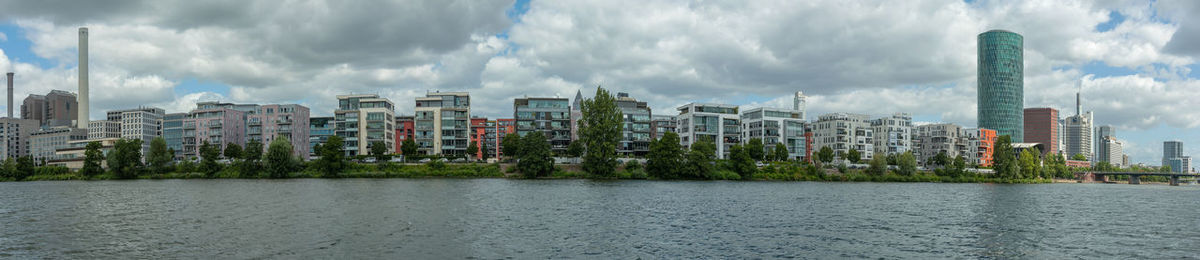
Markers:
point(487, 135)
point(987, 146)
point(404, 130)
point(1041, 126)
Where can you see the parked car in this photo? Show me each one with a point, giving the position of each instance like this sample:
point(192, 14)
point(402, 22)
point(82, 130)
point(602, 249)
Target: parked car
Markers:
point(396, 159)
point(424, 160)
point(460, 160)
point(369, 160)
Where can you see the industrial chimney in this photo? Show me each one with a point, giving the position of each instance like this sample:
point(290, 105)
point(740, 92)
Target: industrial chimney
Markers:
point(10, 79)
point(82, 121)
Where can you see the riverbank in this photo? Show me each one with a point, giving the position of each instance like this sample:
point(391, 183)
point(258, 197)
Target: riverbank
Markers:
point(495, 170)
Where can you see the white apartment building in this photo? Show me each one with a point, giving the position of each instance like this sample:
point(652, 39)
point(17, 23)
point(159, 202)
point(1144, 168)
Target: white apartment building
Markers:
point(775, 126)
point(843, 132)
point(715, 123)
point(893, 134)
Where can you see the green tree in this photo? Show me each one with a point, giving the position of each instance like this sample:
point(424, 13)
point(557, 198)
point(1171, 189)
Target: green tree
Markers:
point(600, 132)
point(279, 159)
point(906, 164)
point(781, 152)
point(254, 150)
point(959, 166)
point(1004, 159)
point(92, 158)
point(941, 159)
point(756, 149)
point(409, 149)
point(379, 150)
point(25, 168)
point(853, 156)
point(1030, 163)
point(472, 150)
point(700, 160)
point(575, 149)
point(511, 145)
point(125, 159)
point(209, 154)
point(233, 151)
point(893, 159)
point(186, 166)
point(535, 156)
point(742, 162)
point(825, 155)
point(1079, 157)
point(159, 158)
point(666, 157)
point(877, 166)
point(333, 157)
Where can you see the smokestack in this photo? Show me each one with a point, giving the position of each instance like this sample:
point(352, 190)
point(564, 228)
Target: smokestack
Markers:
point(10, 79)
point(82, 121)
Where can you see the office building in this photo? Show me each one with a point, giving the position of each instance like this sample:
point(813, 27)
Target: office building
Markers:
point(551, 116)
point(800, 103)
point(1078, 133)
point(1113, 152)
point(1001, 83)
point(16, 133)
point(101, 129)
point(365, 119)
point(443, 123)
point(843, 132)
point(1103, 151)
point(1171, 149)
point(144, 123)
point(636, 126)
point(76, 151)
point(892, 134)
point(1182, 164)
point(713, 123)
point(58, 108)
point(775, 126)
point(1042, 126)
point(44, 143)
point(319, 131)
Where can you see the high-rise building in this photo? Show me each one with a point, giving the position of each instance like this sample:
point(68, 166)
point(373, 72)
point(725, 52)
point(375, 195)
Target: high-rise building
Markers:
point(58, 108)
point(800, 103)
point(1112, 151)
point(1103, 151)
point(443, 123)
point(1182, 164)
point(775, 126)
point(319, 131)
point(365, 119)
point(551, 116)
point(1171, 149)
point(1041, 126)
point(636, 130)
point(892, 134)
point(843, 132)
point(1079, 136)
point(1001, 86)
point(713, 123)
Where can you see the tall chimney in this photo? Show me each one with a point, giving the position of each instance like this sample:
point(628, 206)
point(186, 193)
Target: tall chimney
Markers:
point(10, 79)
point(82, 121)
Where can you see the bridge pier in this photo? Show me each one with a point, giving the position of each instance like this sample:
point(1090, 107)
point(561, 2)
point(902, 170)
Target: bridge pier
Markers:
point(1174, 180)
point(1135, 179)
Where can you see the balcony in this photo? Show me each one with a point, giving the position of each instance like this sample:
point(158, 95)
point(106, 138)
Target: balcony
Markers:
point(283, 121)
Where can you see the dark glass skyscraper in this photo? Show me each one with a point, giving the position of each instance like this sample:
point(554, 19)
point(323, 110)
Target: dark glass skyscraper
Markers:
point(1001, 83)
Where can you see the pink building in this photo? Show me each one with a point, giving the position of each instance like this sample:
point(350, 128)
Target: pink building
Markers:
point(219, 126)
point(274, 121)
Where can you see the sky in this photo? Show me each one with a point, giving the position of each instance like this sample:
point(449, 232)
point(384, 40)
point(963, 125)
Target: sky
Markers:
point(1135, 62)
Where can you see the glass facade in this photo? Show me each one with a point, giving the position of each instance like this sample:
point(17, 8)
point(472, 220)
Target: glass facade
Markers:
point(1001, 83)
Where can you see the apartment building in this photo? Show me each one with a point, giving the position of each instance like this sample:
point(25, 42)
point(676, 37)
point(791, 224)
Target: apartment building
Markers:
point(714, 123)
point(442, 123)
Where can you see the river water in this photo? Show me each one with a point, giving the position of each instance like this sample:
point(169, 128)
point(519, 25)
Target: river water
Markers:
point(524, 219)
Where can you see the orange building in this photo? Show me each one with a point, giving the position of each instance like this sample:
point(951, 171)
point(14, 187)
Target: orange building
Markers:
point(987, 146)
point(487, 135)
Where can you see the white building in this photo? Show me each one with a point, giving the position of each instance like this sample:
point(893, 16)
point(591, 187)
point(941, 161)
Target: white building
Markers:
point(442, 123)
point(715, 123)
point(102, 129)
point(843, 132)
point(16, 133)
point(1078, 136)
point(775, 126)
point(363, 119)
point(893, 134)
point(143, 123)
point(932, 139)
point(800, 103)
point(1113, 151)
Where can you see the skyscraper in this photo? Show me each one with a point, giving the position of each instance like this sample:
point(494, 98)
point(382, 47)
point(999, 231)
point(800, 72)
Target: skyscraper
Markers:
point(1078, 133)
point(1001, 84)
point(1171, 149)
point(800, 103)
point(1103, 148)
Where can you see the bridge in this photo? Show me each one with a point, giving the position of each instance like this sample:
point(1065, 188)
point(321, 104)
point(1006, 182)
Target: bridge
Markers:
point(1134, 177)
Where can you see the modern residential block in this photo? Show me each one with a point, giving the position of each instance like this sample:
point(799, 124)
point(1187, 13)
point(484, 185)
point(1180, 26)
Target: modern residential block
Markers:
point(892, 134)
point(636, 130)
point(44, 144)
point(551, 116)
point(319, 131)
point(843, 132)
point(16, 133)
point(775, 126)
point(714, 123)
point(364, 119)
point(443, 123)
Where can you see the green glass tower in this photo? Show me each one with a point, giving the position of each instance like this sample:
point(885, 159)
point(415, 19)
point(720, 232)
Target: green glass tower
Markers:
point(1002, 83)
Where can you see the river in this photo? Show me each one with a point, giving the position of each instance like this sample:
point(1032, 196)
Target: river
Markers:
point(524, 219)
